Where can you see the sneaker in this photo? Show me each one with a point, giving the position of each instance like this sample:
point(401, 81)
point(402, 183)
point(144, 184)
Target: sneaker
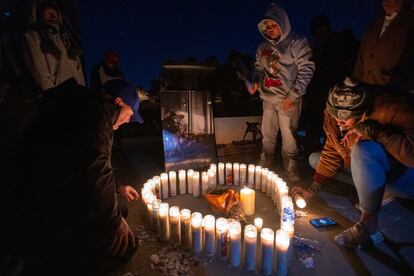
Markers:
point(358, 237)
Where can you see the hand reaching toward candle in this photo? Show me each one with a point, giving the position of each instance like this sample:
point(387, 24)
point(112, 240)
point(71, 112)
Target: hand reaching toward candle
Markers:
point(123, 237)
point(128, 192)
point(305, 193)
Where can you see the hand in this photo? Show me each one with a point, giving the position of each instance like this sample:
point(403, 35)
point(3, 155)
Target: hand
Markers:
point(287, 104)
point(346, 140)
point(252, 87)
point(305, 193)
point(122, 237)
point(128, 192)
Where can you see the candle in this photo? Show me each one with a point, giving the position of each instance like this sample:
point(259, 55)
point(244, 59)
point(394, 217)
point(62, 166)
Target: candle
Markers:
point(164, 222)
point(204, 182)
point(213, 167)
point(229, 174)
point(173, 183)
point(236, 174)
point(211, 178)
point(300, 201)
point(282, 247)
point(250, 176)
point(258, 222)
point(250, 245)
point(185, 216)
point(221, 173)
point(164, 185)
point(267, 239)
point(182, 181)
point(280, 188)
point(157, 184)
point(196, 184)
point(235, 242)
point(190, 175)
point(210, 234)
point(247, 199)
point(269, 183)
point(274, 187)
point(149, 214)
point(288, 227)
point(288, 212)
point(222, 238)
point(155, 208)
point(196, 232)
point(265, 172)
point(243, 175)
point(282, 193)
point(258, 178)
point(175, 225)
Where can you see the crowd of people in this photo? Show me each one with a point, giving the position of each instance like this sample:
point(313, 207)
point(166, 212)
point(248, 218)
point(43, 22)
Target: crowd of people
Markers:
point(59, 175)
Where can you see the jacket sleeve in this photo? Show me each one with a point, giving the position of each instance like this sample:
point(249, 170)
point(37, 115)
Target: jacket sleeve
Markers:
point(302, 53)
point(331, 161)
point(37, 61)
point(259, 74)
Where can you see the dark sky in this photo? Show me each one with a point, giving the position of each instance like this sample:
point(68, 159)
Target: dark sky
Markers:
point(147, 32)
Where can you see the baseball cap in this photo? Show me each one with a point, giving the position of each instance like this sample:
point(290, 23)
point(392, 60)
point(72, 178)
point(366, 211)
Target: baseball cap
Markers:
point(124, 90)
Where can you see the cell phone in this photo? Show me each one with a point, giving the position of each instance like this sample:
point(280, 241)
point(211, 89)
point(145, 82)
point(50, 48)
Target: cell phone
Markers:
point(322, 222)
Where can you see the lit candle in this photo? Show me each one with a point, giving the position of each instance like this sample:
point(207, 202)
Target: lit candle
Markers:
point(196, 232)
point(185, 216)
point(190, 175)
point(269, 183)
point(164, 222)
point(221, 173)
point(243, 175)
point(175, 225)
point(211, 178)
point(164, 185)
point(149, 214)
point(265, 172)
point(267, 239)
point(236, 174)
point(288, 227)
point(222, 238)
point(157, 182)
point(173, 183)
point(235, 242)
point(258, 222)
point(250, 176)
point(258, 178)
point(300, 201)
point(155, 209)
point(288, 211)
point(213, 166)
point(196, 184)
point(282, 247)
point(229, 173)
point(247, 199)
point(204, 182)
point(182, 180)
point(250, 245)
point(210, 235)
point(282, 193)
point(274, 187)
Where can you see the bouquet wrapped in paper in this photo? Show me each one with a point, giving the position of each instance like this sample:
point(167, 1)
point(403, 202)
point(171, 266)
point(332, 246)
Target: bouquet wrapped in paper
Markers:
point(226, 201)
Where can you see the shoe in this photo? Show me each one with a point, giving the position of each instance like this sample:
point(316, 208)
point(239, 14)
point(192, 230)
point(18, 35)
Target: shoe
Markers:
point(291, 169)
point(358, 237)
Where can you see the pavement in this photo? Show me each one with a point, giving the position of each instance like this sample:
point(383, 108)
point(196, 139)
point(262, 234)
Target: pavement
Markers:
point(140, 157)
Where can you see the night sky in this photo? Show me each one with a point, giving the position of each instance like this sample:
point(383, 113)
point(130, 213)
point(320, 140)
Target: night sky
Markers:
point(146, 33)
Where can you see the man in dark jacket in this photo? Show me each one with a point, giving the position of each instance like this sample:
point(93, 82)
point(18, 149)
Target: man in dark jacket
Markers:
point(62, 184)
point(106, 70)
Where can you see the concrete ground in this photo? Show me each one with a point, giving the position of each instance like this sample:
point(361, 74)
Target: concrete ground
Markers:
point(140, 157)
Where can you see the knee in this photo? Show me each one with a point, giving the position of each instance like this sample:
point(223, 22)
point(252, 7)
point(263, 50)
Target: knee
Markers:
point(314, 159)
point(366, 149)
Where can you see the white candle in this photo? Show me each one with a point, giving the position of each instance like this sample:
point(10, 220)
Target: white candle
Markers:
point(157, 182)
point(229, 173)
point(213, 166)
point(250, 245)
point(210, 235)
point(190, 175)
point(222, 238)
point(274, 187)
point(269, 183)
point(185, 216)
point(175, 225)
point(236, 174)
point(243, 175)
point(250, 176)
point(221, 173)
point(300, 201)
point(288, 211)
point(204, 183)
point(288, 227)
point(258, 222)
point(235, 242)
point(247, 199)
point(149, 214)
point(182, 180)
point(267, 240)
point(265, 172)
point(211, 178)
point(164, 222)
point(282, 193)
point(164, 185)
point(258, 178)
point(282, 247)
point(155, 208)
point(196, 232)
point(173, 183)
point(196, 184)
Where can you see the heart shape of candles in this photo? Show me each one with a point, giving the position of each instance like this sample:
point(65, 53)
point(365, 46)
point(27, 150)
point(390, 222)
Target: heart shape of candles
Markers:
point(221, 236)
